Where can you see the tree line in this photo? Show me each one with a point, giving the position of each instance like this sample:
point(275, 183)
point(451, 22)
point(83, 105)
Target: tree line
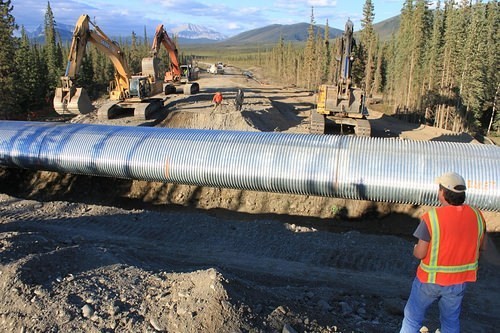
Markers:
point(441, 66)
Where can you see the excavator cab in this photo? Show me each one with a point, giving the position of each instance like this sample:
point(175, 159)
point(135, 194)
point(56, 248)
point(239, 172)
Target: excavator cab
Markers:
point(140, 87)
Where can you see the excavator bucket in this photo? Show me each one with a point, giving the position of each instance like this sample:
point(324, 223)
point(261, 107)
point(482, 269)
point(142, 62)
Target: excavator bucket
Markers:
point(76, 103)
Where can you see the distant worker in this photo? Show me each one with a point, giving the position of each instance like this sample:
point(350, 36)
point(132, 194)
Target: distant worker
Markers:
point(238, 101)
point(449, 240)
point(217, 100)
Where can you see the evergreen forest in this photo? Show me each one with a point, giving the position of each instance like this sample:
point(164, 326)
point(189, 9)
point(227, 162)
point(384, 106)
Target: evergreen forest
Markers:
point(440, 68)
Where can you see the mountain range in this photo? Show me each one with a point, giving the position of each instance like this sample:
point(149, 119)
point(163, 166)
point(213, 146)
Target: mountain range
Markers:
point(196, 34)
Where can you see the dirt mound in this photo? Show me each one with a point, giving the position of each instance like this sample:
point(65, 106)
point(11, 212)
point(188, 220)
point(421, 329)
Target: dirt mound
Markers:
point(190, 302)
point(226, 120)
point(77, 287)
point(258, 114)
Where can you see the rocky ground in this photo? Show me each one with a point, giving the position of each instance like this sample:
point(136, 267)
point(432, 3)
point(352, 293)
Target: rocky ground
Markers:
point(90, 254)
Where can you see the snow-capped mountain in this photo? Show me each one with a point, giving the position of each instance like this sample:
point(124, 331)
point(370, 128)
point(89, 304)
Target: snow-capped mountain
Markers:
point(194, 31)
point(64, 30)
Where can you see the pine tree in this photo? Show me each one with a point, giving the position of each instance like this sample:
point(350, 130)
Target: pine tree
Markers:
point(86, 76)
point(310, 54)
point(421, 30)
point(328, 55)
point(369, 45)
point(473, 88)
point(279, 56)
point(435, 49)
point(41, 86)
point(52, 51)
point(378, 78)
point(134, 55)
point(26, 78)
point(410, 52)
point(392, 70)
point(432, 67)
point(401, 71)
point(146, 41)
point(491, 61)
point(7, 67)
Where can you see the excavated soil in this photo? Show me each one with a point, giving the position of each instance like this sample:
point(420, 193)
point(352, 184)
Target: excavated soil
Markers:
point(91, 254)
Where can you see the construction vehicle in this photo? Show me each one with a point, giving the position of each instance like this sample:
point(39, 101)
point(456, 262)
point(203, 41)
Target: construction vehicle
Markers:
point(178, 76)
point(216, 69)
point(341, 103)
point(142, 93)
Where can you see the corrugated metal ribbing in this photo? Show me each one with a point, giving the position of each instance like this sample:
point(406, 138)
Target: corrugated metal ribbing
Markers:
point(360, 168)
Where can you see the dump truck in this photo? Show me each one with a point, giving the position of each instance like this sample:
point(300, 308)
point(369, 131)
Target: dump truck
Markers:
point(143, 92)
point(178, 76)
point(342, 102)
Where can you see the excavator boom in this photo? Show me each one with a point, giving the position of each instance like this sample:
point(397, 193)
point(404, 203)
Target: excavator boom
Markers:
point(125, 91)
point(162, 38)
point(177, 74)
point(68, 98)
point(341, 102)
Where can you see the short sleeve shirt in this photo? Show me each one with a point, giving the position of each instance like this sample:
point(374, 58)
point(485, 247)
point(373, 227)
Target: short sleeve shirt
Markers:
point(422, 232)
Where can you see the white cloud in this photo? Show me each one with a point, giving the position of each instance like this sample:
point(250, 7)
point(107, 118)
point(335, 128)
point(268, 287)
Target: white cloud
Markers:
point(233, 26)
point(250, 10)
point(322, 3)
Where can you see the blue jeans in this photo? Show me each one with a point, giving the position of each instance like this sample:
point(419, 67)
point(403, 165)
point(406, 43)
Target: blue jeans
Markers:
point(423, 295)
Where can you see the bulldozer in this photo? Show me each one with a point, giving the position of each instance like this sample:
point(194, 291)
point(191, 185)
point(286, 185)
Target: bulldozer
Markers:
point(178, 76)
point(143, 92)
point(341, 103)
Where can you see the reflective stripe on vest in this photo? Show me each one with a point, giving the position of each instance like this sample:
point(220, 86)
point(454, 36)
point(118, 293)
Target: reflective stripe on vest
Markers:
point(480, 225)
point(433, 268)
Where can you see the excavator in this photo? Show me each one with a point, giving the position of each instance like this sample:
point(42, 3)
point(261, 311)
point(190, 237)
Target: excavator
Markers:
point(178, 75)
point(342, 103)
point(142, 93)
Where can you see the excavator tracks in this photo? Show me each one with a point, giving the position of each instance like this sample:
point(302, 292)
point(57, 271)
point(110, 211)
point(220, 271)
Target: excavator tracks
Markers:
point(142, 110)
point(108, 110)
point(362, 127)
point(317, 123)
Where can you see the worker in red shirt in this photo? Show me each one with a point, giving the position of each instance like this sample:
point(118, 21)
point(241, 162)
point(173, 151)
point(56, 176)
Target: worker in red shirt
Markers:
point(217, 100)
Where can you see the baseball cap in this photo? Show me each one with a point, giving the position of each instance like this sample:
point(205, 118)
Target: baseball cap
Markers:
point(452, 181)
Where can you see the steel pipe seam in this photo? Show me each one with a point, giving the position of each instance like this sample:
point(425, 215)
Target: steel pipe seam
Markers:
point(359, 168)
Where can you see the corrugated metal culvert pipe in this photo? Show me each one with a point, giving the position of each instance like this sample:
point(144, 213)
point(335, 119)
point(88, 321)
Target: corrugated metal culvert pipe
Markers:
point(374, 169)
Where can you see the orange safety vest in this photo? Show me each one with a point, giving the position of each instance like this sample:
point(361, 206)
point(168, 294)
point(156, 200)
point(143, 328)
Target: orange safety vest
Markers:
point(456, 236)
point(217, 98)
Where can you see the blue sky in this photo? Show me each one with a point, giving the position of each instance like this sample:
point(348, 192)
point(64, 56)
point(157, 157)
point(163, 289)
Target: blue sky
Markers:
point(228, 17)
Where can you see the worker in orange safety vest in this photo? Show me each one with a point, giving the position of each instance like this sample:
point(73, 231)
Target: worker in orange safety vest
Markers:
point(450, 238)
point(217, 100)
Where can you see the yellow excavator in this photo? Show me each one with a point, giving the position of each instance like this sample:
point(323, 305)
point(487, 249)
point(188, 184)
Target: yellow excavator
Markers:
point(143, 93)
point(342, 103)
point(178, 76)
